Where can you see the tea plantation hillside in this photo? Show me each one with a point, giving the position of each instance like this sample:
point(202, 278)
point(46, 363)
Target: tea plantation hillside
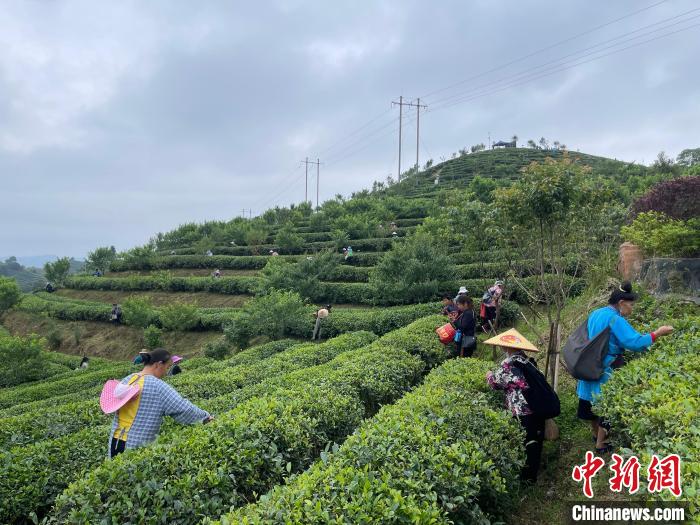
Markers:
point(372, 422)
point(176, 267)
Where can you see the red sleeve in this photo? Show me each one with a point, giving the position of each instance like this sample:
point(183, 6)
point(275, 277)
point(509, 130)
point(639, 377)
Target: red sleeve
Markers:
point(653, 337)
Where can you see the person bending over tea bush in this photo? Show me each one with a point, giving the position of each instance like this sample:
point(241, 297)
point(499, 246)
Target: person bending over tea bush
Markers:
point(140, 401)
point(622, 337)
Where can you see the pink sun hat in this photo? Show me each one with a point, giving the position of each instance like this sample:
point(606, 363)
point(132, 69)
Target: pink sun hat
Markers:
point(176, 359)
point(116, 394)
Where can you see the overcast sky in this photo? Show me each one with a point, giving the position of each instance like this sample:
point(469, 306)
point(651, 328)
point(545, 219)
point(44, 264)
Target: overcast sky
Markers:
point(123, 119)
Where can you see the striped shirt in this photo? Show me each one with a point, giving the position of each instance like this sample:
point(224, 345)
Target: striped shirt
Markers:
point(157, 399)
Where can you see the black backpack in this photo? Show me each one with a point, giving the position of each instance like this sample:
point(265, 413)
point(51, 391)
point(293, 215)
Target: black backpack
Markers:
point(583, 357)
point(540, 396)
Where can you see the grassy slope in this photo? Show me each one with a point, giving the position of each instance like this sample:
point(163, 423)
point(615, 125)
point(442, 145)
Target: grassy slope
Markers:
point(203, 299)
point(102, 339)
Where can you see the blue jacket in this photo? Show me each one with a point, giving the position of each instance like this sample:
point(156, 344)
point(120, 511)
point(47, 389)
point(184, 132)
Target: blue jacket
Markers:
point(622, 337)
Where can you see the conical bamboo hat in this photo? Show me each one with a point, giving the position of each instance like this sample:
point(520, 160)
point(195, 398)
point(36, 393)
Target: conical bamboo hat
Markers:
point(512, 339)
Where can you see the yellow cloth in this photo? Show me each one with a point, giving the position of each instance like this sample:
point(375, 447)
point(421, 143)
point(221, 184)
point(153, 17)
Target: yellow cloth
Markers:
point(127, 413)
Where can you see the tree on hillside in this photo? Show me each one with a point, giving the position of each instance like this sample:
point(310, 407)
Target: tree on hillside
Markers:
point(255, 237)
point(482, 187)
point(303, 277)
point(532, 144)
point(271, 315)
point(9, 293)
point(22, 360)
point(288, 239)
point(413, 270)
point(57, 271)
point(543, 143)
point(514, 138)
point(140, 256)
point(548, 215)
point(664, 165)
point(689, 157)
point(478, 147)
point(100, 259)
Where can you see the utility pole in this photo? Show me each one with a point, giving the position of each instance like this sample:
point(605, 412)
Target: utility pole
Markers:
point(417, 105)
point(400, 104)
point(318, 175)
point(306, 184)
point(489, 140)
point(306, 191)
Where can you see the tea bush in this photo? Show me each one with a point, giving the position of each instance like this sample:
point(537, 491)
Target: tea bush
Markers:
point(448, 441)
point(152, 336)
point(218, 349)
point(260, 442)
point(654, 407)
point(86, 447)
point(138, 311)
point(22, 360)
point(179, 316)
point(208, 382)
point(9, 293)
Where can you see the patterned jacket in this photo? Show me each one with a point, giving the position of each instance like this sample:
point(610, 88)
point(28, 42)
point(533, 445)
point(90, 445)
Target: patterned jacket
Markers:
point(509, 378)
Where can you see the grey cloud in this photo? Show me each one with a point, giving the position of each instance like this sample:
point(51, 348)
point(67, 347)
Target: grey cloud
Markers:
point(122, 120)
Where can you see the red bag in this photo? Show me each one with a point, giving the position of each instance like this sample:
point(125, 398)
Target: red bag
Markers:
point(446, 333)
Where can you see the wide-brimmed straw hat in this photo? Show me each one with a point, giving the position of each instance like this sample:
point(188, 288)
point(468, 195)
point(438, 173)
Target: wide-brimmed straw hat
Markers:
point(116, 394)
point(512, 339)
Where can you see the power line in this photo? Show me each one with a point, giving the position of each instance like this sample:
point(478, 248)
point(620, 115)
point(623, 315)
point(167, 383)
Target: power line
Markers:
point(556, 70)
point(525, 76)
point(541, 50)
point(579, 52)
point(350, 149)
point(549, 72)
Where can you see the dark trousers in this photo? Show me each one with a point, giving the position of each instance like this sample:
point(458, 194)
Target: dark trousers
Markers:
point(534, 437)
point(118, 446)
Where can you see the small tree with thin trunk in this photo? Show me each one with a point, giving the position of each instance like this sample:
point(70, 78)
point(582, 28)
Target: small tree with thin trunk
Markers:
point(553, 216)
point(57, 271)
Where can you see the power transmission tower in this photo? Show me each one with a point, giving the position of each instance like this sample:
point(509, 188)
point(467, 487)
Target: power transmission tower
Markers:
point(417, 105)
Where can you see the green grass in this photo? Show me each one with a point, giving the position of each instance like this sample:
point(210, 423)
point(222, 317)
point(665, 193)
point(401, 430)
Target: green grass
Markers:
point(158, 298)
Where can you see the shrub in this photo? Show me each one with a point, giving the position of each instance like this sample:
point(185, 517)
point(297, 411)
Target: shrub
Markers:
point(677, 198)
point(138, 311)
point(447, 443)
point(10, 293)
point(412, 271)
point(302, 277)
point(659, 235)
point(262, 441)
point(22, 360)
point(273, 314)
point(287, 239)
point(152, 336)
point(653, 404)
point(179, 316)
point(218, 349)
point(54, 338)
